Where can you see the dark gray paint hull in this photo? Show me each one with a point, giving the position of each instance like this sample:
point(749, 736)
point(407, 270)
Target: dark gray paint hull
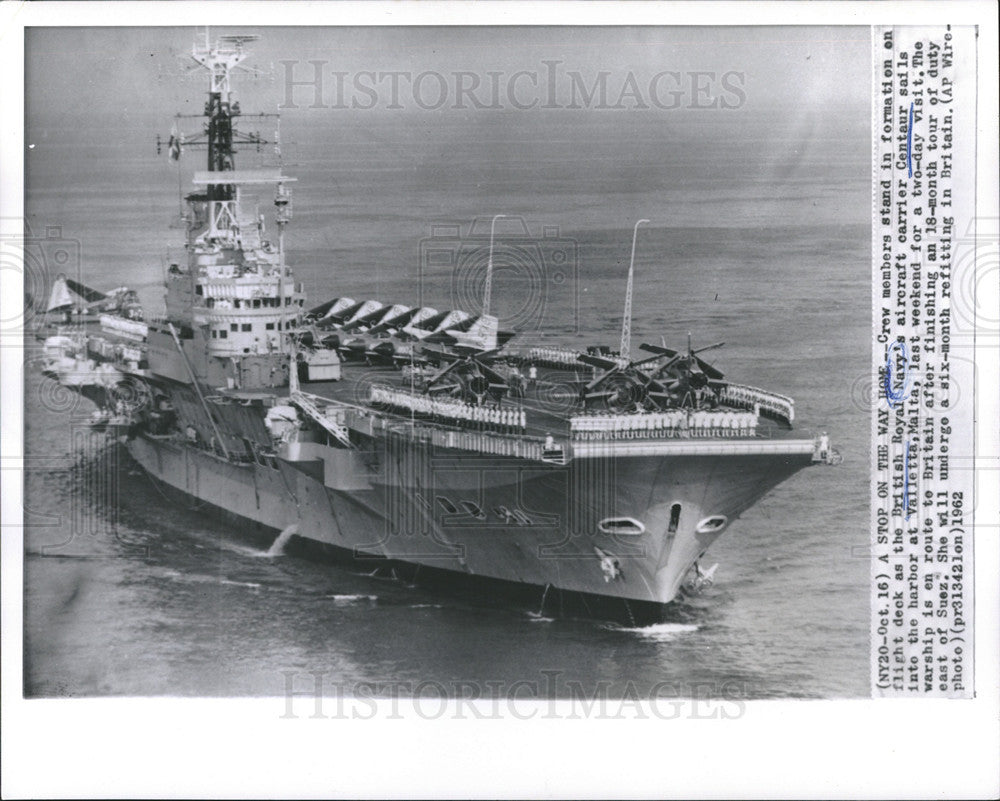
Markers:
point(378, 505)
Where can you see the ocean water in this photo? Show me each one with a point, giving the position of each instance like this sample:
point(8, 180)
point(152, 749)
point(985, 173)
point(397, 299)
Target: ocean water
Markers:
point(758, 237)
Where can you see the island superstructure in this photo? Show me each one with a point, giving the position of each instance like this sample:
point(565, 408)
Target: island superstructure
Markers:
point(418, 441)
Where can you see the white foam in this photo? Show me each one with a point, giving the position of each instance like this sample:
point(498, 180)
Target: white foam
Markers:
point(201, 578)
point(351, 599)
point(212, 541)
point(660, 632)
point(252, 584)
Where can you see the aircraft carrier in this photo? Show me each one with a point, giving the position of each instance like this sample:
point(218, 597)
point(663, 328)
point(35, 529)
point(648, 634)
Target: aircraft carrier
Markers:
point(412, 441)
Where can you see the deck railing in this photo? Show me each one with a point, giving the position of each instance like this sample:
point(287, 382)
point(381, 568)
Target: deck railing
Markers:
point(770, 404)
point(674, 424)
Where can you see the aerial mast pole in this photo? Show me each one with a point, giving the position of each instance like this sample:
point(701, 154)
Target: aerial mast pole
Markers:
point(625, 350)
point(487, 294)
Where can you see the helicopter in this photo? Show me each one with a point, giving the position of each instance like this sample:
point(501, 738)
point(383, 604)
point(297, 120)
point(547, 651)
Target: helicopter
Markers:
point(467, 374)
point(683, 380)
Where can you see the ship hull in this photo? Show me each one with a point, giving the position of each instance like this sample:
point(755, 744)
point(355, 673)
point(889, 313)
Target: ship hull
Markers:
point(533, 531)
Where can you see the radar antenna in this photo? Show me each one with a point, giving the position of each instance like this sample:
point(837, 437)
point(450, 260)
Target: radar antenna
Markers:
point(220, 135)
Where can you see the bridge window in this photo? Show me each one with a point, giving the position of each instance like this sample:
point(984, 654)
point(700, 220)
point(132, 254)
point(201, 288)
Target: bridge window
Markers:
point(246, 326)
point(223, 334)
point(269, 326)
point(256, 303)
point(447, 505)
point(675, 517)
point(234, 327)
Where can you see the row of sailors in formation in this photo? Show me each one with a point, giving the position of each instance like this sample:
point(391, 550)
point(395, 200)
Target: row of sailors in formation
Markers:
point(509, 421)
point(696, 423)
point(751, 397)
point(554, 355)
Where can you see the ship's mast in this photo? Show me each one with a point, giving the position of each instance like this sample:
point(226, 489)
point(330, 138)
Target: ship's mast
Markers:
point(282, 215)
point(220, 134)
point(220, 59)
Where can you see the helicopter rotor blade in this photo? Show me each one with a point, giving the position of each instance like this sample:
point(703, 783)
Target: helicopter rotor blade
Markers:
point(660, 351)
point(669, 363)
point(601, 379)
point(442, 388)
point(597, 361)
point(441, 355)
point(441, 374)
point(648, 360)
point(491, 375)
point(707, 369)
point(475, 353)
point(708, 347)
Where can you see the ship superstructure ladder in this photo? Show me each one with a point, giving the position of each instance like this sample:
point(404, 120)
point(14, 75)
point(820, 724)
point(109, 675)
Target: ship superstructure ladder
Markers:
point(328, 416)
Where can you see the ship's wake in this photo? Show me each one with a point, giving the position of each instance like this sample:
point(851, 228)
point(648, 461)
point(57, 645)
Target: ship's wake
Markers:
point(658, 632)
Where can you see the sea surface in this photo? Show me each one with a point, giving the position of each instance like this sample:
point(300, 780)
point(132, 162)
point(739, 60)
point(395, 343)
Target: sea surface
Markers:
point(758, 237)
